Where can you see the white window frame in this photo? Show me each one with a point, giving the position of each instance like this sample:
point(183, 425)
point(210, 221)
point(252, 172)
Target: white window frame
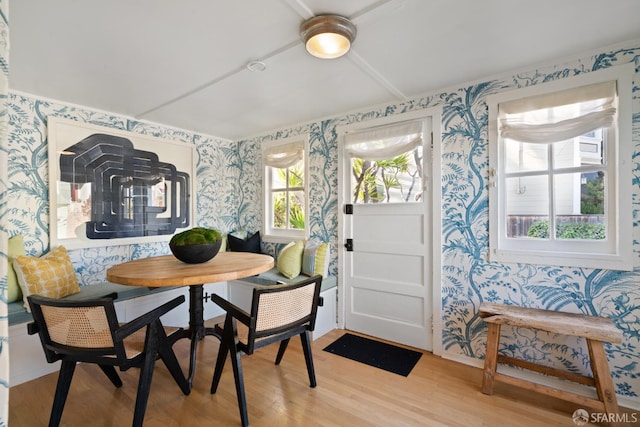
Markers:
point(617, 252)
point(277, 235)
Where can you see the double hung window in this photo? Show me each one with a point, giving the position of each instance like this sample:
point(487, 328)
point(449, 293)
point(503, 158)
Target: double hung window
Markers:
point(560, 157)
point(285, 190)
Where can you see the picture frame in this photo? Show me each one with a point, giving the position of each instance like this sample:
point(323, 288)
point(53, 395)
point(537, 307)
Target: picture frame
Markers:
point(113, 187)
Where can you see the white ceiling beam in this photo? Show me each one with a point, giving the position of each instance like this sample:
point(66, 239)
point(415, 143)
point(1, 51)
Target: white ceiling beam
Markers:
point(375, 75)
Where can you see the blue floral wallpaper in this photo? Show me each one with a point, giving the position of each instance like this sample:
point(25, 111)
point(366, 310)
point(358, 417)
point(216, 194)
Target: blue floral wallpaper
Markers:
point(27, 199)
point(229, 197)
point(4, 324)
point(467, 277)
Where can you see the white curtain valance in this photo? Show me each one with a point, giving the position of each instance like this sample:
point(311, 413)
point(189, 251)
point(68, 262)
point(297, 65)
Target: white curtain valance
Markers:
point(559, 116)
point(284, 155)
point(384, 142)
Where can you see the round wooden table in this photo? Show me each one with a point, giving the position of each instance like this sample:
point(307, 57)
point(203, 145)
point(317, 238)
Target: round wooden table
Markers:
point(168, 271)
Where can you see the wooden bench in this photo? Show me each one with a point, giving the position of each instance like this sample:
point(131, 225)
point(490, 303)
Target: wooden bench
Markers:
point(595, 330)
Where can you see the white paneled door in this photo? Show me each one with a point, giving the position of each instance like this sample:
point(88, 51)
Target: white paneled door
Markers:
point(387, 264)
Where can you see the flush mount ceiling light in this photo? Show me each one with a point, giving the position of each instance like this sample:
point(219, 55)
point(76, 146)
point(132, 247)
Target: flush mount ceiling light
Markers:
point(328, 36)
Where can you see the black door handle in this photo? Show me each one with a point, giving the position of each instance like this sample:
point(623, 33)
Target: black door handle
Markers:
point(349, 245)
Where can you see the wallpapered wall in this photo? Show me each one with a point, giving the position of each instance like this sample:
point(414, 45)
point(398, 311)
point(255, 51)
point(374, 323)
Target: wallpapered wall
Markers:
point(27, 199)
point(4, 324)
point(467, 277)
point(229, 197)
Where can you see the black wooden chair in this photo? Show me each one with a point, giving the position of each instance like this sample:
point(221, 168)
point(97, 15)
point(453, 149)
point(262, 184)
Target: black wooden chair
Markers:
point(88, 331)
point(278, 313)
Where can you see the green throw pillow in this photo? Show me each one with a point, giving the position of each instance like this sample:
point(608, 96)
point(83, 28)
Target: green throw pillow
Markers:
point(16, 248)
point(289, 262)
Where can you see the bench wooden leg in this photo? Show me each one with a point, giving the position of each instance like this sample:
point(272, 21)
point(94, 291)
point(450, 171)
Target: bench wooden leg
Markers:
point(602, 376)
point(491, 358)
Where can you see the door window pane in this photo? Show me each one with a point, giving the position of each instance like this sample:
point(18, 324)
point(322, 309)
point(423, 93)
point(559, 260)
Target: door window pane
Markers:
point(395, 180)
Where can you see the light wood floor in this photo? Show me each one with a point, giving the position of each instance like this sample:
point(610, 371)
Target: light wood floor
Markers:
point(436, 393)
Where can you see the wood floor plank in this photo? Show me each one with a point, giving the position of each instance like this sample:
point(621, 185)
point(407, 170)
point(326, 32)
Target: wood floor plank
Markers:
point(438, 392)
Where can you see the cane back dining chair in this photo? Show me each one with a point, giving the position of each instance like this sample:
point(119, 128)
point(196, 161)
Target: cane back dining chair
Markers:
point(88, 331)
point(278, 313)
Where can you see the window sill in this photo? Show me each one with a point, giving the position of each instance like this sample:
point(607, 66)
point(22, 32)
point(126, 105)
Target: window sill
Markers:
point(277, 238)
point(563, 259)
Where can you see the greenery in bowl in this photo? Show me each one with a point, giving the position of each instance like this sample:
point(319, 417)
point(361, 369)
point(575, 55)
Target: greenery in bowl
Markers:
point(196, 236)
point(196, 245)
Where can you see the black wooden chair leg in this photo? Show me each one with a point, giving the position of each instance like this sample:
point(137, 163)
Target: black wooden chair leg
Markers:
point(306, 348)
point(171, 362)
point(222, 358)
point(144, 385)
point(146, 374)
point(281, 350)
point(237, 375)
point(112, 374)
point(62, 390)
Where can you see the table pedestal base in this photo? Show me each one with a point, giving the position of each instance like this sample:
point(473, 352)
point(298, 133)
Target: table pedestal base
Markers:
point(196, 331)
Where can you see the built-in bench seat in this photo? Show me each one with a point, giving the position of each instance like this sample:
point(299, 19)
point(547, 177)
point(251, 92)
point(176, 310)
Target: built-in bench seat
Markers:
point(17, 313)
point(273, 276)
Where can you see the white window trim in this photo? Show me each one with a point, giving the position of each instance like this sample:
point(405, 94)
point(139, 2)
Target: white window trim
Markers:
point(574, 254)
point(277, 235)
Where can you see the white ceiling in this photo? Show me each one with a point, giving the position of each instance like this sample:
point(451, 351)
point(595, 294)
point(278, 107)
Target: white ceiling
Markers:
point(183, 63)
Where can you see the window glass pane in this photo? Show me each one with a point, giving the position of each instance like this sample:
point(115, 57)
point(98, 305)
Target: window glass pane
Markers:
point(591, 146)
point(296, 210)
point(522, 156)
point(527, 202)
point(566, 154)
point(580, 151)
point(395, 180)
point(278, 178)
point(298, 172)
point(584, 217)
point(278, 202)
point(296, 175)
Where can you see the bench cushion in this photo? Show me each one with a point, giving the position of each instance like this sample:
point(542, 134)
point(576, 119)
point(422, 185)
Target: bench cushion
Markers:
point(273, 276)
point(18, 314)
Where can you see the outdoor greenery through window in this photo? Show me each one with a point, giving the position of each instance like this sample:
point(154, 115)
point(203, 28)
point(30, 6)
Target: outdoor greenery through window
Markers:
point(560, 178)
point(386, 163)
point(285, 189)
point(287, 197)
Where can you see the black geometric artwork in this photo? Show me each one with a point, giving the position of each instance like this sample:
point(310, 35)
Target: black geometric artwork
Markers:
point(123, 179)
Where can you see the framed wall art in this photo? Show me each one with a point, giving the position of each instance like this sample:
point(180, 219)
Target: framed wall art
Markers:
point(112, 187)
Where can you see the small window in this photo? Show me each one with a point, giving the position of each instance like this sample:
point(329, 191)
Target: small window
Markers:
point(285, 190)
point(386, 163)
point(560, 165)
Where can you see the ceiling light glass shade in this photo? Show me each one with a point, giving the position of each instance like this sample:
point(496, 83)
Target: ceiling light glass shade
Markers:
point(328, 36)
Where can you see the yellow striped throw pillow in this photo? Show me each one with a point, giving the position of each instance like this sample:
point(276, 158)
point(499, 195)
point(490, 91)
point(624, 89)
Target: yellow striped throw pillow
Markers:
point(315, 259)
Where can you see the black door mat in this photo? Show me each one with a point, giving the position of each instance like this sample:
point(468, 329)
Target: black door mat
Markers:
point(375, 353)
